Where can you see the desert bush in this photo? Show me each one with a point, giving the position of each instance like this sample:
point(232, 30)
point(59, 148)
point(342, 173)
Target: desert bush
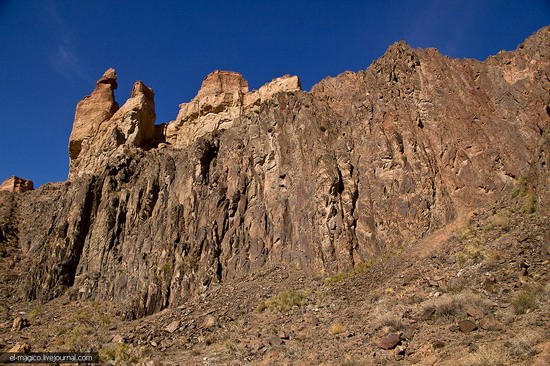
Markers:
point(521, 187)
point(448, 308)
point(500, 220)
point(489, 356)
point(530, 204)
point(283, 301)
point(338, 277)
point(121, 354)
point(522, 346)
point(473, 253)
point(523, 301)
point(230, 346)
point(79, 339)
point(35, 313)
point(388, 320)
point(353, 362)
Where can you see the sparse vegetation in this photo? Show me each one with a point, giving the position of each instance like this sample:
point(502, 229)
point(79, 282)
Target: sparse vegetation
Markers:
point(79, 339)
point(522, 346)
point(388, 321)
point(283, 301)
point(522, 190)
point(530, 204)
point(121, 354)
point(500, 220)
point(230, 346)
point(487, 356)
point(472, 253)
point(521, 187)
point(341, 276)
point(524, 301)
point(35, 313)
point(448, 308)
point(189, 263)
point(352, 362)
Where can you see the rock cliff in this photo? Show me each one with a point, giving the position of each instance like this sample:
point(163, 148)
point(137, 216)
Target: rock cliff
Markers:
point(322, 180)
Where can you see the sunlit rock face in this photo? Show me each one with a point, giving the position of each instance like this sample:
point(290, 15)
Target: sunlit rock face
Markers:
point(16, 184)
point(320, 180)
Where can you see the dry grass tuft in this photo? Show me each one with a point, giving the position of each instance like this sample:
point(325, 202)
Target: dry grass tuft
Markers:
point(448, 308)
point(522, 346)
point(487, 356)
point(524, 301)
point(283, 301)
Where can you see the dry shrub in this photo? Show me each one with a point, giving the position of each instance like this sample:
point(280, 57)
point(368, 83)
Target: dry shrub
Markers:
point(524, 301)
point(387, 317)
point(489, 356)
point(522, 346)
point(448, 308)
point(122, 354)
point(283, 301)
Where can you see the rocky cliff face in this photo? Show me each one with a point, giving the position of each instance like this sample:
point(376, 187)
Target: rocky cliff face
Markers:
point(320, 180)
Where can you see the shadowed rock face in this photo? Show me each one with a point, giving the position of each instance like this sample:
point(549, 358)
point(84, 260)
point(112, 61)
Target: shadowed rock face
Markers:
point(321, 180)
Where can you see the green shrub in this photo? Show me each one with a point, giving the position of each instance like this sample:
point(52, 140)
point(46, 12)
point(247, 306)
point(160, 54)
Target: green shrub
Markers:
point(521, 187)
point(341, 276)
point(529, 205)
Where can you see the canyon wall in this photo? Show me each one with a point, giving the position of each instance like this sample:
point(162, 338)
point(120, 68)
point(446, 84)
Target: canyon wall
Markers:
point(322, 180)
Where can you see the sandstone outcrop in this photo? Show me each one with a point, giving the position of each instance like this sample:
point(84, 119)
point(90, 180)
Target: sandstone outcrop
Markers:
point(92, 111)
point(323, 180)
point(16, 184)
point(101, 130)
point(221, 101)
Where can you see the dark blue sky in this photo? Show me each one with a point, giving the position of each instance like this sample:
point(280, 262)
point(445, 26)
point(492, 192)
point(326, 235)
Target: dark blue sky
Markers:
point(53, 51)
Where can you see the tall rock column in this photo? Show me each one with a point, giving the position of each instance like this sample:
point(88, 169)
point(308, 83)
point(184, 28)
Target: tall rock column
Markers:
point(101, 127)
point(92, 111)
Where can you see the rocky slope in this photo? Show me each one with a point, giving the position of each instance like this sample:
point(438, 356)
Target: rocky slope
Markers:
point(321, 181)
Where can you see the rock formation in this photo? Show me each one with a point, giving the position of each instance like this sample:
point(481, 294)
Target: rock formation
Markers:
point(16, 184)
point(322, 180)
point(101, 130)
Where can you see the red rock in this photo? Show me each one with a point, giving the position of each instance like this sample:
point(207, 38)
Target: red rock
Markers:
point(467, 326)
point(389, 341)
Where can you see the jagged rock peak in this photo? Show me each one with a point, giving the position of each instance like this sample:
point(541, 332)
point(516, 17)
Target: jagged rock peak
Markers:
point(109, 77)
point(100, 127)
point(92, 111)
point(16, 184)
point(141, 88)
point(222, 82)
point(222, 100)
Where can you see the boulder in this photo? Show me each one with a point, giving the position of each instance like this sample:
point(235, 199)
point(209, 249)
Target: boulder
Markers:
point(389, 341)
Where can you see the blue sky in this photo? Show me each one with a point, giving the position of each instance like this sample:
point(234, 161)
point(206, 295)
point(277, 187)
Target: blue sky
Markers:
point(53, 51)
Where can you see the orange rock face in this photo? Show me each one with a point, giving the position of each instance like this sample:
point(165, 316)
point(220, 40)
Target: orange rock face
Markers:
point(16, 184)
point(101, 128)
